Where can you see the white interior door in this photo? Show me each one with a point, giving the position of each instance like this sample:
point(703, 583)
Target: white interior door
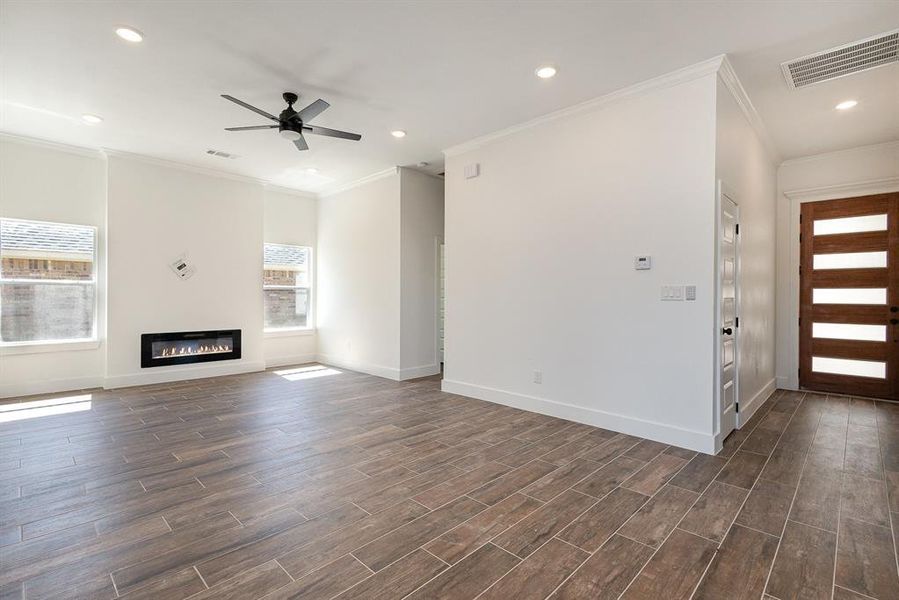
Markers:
point(728, 307)
point(441, 300)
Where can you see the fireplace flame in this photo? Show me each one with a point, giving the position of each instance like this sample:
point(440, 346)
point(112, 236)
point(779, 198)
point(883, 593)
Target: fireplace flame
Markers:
point(188, 351)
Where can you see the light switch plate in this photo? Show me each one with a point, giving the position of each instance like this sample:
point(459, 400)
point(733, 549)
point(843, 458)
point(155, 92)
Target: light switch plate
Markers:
point(690, 293)
point(672, 293)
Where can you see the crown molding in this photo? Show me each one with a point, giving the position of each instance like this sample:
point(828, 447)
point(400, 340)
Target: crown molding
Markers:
point(279, 189)
point(171, 164)
point(50, 145)
point(684, 75)
point(105, 153)
point(883, 146)
point(845, 190)
point(361, 181)
point(729, 77)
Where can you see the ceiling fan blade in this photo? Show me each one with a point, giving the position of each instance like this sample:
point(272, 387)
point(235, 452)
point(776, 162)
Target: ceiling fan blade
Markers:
point(301, 143)
point(251, 107)
point(313, 110)
point(332, 132)
point(251, 127)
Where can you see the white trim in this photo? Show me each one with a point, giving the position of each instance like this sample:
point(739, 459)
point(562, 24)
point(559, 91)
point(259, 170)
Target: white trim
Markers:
point(667, 80)
point(51, 145)
point(179, 373)
point(838, 153)
point(845, 190)
point(288, 332)
point(13, 348)
point(748, 409)
point(729, 77)
point(290, 360)
point(419, 371)
point(105, 153)
point(49, 386)
point(361, 181)
point(796, 198)
point(668, 434)
point(376, 370)
point(279, 189)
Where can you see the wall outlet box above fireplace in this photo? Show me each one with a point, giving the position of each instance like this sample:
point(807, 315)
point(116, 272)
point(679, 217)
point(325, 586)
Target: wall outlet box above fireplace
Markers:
point(184, 347)
point(183, 267)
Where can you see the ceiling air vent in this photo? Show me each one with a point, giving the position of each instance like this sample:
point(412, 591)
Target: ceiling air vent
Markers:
point(844, 60)
point(221, 154)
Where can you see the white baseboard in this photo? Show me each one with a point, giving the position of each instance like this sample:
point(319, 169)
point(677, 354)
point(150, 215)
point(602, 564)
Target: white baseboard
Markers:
point(420, 371)
point(376, 370)
point(49, 386)
point(167, 374)
point(748, 409)
point(668, 434)
point(285, 361)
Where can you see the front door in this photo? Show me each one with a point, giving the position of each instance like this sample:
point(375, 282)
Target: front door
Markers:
point(849, 296)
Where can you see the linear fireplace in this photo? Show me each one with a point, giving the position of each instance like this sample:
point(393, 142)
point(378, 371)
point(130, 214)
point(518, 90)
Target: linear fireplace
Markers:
point(182, 347)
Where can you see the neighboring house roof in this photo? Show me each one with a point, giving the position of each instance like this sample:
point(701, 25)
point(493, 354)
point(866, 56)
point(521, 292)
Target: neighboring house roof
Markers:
point(24, 238)
point(282, 255)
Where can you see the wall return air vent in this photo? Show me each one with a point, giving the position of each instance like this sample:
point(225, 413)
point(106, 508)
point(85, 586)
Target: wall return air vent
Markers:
point(843, 60)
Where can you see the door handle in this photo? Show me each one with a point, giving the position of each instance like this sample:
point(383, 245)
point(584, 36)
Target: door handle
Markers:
point(894, 309)
point(727, 331)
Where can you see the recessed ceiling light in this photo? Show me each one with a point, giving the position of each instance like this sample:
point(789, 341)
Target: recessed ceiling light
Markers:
point(846, 105)
point(91, 119)
point(546, 72)
point(312, 171)
point(129, 34)
point(398, 133)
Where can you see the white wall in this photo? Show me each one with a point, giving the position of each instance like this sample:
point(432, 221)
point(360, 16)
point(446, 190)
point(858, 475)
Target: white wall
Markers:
point(745, 167)
point(540, 276)
point(359, 277)
point(154, 214)
point(855, 172)
point(46, 183)
point(421, 228)
point(290, 218)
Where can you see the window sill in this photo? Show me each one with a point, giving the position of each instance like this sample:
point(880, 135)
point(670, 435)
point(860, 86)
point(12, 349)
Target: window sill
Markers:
point(12, 348)
point(274, 333)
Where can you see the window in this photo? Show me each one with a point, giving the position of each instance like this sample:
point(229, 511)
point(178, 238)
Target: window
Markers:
point(286, 286)
point(48, 283)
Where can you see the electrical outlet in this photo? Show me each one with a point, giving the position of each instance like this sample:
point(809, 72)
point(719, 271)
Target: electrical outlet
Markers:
point(538, 376)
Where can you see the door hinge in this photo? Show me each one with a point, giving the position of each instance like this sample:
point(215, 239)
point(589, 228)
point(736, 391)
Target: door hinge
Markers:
point(800, 321)
point(737, 407)
point(737, 229)
point(737, 322)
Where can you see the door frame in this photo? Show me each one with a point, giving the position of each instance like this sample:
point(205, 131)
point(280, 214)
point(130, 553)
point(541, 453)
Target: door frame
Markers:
point(796, 198)
point(721, 190)
point(440, 360)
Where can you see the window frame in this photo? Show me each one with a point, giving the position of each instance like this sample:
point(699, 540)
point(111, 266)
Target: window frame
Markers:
point(309, 328)
point(50, 345)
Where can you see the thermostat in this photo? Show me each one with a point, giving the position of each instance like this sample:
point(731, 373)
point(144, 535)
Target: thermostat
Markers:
point(643, 263)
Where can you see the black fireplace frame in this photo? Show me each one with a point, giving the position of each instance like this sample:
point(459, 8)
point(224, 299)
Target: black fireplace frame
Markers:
point(147, 339)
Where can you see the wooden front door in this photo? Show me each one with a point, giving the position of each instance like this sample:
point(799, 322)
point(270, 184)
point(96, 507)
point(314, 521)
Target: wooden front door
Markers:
point(849, 296)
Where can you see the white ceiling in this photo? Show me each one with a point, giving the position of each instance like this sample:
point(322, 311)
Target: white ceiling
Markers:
point(444, 71)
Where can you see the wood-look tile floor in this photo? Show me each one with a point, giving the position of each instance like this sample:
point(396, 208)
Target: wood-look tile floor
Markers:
point(315, 483)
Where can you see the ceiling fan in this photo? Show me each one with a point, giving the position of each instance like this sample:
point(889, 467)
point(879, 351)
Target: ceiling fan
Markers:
point(293, 124)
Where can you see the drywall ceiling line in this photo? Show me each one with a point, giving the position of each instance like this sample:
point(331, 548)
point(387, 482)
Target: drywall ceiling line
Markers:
point(885, 146)
point(279, 189)
point(361, 181)
point(842, 190)
point(51, 145)
point(104, 153)
point(736, 89)
point(684, 75)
